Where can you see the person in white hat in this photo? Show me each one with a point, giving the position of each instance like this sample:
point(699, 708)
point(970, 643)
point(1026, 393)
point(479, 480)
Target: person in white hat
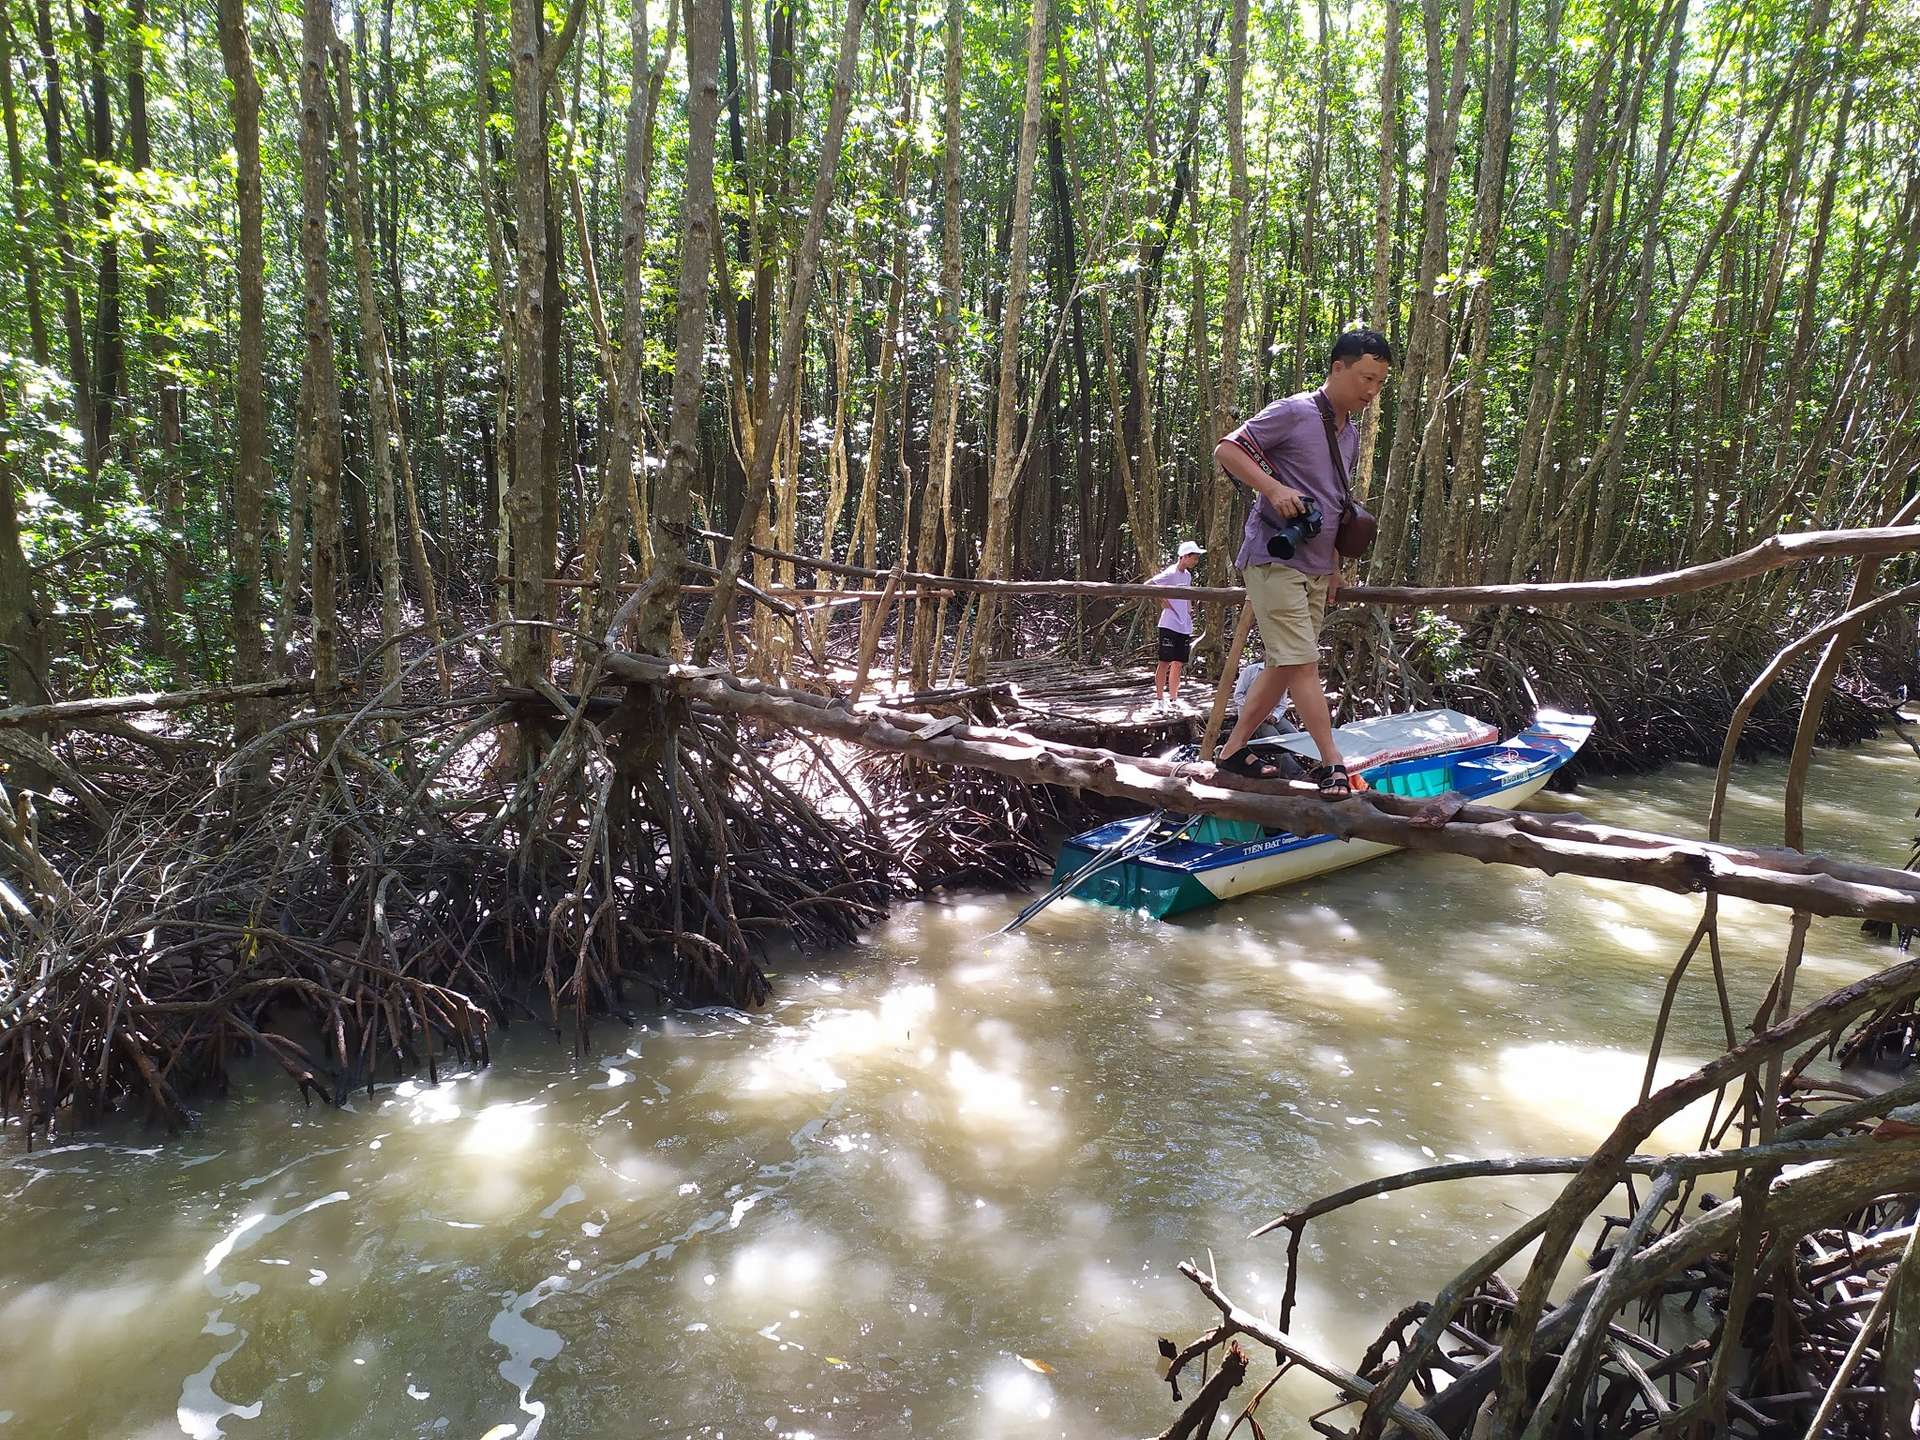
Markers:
point(1176, 627)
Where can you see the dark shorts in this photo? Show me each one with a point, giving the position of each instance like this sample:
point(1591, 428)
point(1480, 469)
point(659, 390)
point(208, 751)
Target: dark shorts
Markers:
point(1174, 645)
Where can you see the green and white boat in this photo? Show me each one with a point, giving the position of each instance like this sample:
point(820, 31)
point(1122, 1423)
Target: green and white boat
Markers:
point(1166, 864)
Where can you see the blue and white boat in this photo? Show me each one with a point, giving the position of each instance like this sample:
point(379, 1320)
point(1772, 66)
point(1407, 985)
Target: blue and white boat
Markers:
point(1165, 864)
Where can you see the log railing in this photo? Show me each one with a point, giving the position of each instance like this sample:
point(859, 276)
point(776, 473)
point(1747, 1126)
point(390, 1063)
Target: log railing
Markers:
point(1774, 553)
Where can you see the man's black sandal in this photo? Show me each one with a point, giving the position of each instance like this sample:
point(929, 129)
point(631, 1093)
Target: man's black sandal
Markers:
point(1248, 762)
point(1333, 780)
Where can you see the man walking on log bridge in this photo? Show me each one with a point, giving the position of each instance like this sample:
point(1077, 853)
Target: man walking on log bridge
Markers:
point(1176, 627)
point(1287, 455)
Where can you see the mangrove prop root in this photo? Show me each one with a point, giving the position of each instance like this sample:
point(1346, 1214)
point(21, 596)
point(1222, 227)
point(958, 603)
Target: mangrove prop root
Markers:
point(364, 894)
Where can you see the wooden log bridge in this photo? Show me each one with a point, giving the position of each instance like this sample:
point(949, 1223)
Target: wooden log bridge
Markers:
point(1553, 844)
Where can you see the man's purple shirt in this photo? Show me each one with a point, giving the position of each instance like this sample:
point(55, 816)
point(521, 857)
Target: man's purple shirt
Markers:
point(1293, 438)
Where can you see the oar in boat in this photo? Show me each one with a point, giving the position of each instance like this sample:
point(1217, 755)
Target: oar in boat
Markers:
point(1129, 846)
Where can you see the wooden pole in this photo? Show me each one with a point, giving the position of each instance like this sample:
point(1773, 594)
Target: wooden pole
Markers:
point(870, 642)
point(1229, 672)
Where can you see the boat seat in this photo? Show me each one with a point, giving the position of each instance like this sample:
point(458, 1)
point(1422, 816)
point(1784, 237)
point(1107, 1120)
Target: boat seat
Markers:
point(1418, 784)
point(1222, 830)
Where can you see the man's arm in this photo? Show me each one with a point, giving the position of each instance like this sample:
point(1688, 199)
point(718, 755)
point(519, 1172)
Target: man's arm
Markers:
point(1240, 465)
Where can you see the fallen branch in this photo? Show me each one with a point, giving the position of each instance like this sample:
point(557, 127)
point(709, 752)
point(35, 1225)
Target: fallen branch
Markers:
point(74, 712)
point(1287, 1349)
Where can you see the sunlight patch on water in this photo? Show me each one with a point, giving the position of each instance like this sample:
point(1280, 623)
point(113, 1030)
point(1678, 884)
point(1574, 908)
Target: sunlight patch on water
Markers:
point(997, 1101)
point(428, 1104)
point(1012, 1390)
point(502, 1129)
point(1342, 984)
point(1582, 1090)
point(71, 1318)
point(928, 1204)
point(792, 1268)
point(813, 1058)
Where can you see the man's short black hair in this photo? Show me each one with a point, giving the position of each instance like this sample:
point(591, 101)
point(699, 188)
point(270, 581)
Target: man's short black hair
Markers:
point(1352, 344)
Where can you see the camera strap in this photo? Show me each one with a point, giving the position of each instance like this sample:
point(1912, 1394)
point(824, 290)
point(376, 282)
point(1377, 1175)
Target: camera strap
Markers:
point(1340, 471)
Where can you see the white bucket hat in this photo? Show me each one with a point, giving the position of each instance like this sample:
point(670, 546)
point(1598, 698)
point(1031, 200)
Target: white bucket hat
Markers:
point(1187, 547)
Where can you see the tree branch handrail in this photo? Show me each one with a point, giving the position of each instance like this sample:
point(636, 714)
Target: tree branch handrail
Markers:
point(1773, 553)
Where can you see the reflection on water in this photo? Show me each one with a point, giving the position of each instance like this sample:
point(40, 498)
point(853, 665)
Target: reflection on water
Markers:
point(940, 1187)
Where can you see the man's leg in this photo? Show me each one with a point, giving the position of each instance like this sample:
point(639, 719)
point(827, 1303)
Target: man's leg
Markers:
point(1311, 701)
point(1267, 690)
point(1159, 680)
point(1173, 681)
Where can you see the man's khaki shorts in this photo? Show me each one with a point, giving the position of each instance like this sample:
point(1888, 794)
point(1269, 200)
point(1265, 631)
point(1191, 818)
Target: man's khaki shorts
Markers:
point(1289, 607)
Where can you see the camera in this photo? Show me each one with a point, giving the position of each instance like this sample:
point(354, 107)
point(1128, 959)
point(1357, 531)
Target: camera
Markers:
point(1294, 531)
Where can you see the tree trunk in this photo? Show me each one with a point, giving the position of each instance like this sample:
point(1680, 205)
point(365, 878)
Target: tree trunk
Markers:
point(27, 627)
point(1523, 495)
point(381, 411)
point(27, 252)
point(249, 399)
point(1606, 502)
point(945, 402)
point(500, 452)
point(622, 501)
point(1219, 491)
point(995, 555)
point(293, 570)
point(324, 456)
point(1383, 212)
point(109, 344)
point(792, 338)
point(1496, 129)
point(526, 500)
point(1425, 350)
point(1307, 314)
point(78, 371)
point(673, 500)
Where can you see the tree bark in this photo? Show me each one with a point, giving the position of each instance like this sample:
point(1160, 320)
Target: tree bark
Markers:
point(28, 252)
point(249, 380)
point(623, 503)
point(325, 446)
point(527, 499)
point(79, 374)
point(996, 554)
point(382, 410)
point(673, 500)
point(1424, 360)
point(945, 401)
point(792, 338)
point(1385, 203)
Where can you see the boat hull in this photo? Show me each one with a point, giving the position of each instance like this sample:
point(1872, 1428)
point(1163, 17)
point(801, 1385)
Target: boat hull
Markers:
point(1205, 860)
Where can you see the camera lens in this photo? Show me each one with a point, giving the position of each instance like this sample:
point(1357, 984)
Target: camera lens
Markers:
point(1295, 531)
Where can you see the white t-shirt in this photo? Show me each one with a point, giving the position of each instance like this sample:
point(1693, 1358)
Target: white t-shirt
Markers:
point(1175, 615)
point(1248, 674)
point(1274, 723)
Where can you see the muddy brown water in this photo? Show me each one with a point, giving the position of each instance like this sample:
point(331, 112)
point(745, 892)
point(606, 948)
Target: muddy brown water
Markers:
point(938, 1188)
